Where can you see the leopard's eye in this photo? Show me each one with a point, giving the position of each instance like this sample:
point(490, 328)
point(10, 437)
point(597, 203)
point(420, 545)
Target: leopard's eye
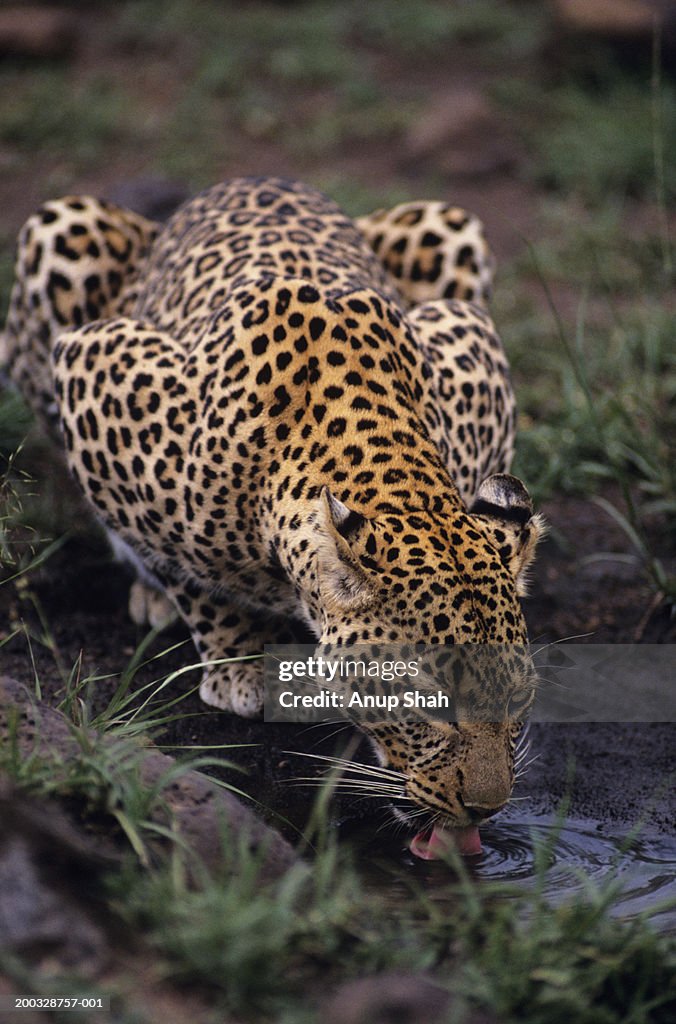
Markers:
point(518, 703)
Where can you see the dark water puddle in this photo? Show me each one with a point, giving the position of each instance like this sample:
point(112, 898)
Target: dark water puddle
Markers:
point(579, 857)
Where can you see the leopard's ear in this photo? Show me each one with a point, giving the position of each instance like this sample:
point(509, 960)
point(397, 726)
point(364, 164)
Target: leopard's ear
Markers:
point(506, 511)
point(342, 581)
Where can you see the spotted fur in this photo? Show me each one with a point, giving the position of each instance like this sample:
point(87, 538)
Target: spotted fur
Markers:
point(281, 415)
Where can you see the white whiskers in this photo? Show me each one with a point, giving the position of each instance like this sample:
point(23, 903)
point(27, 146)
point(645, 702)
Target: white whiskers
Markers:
point(523, 766)
point(562, 640)
point(370, 770)
point(353, 777)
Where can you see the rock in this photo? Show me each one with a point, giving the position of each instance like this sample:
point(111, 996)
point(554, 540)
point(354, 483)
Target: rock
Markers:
point(196, 808)
point(204, 814)
point(395, 998)
point(39, 922)
point(46, 917)
point(55, 934)
point(32, 30)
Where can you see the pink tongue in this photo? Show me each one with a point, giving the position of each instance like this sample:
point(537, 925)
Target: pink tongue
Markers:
point(466, 840)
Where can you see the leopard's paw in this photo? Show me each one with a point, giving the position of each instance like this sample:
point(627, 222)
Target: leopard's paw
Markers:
point(149, 606)
point(235, 687)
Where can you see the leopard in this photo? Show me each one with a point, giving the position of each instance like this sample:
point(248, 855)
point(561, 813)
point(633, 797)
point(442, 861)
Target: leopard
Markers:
point(286, 417)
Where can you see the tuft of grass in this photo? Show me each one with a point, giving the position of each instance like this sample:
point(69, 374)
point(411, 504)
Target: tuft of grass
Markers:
point(101, 774)
point(102, 779)
point(592, 145)
point(428, 28)
point(609, 412)
point(598, 399)
point(15, 422)
point(254, 945)
point(572, 962)
point(49, 114)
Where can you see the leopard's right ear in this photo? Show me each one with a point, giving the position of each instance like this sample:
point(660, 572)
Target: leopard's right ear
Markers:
point(506, 510)
point(343, 584)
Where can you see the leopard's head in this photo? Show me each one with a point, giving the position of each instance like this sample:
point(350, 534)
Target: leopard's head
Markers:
point(426, 578)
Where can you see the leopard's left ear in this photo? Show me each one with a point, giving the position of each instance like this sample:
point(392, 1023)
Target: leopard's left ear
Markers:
point(506, 510)
point(339, 534)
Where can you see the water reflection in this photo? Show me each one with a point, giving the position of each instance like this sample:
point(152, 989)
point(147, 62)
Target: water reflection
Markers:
point(574, 854)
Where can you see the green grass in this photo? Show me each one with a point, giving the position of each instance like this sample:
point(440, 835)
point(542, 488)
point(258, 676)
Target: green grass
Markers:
point(287, 75)
point(601, 251)
point(594, 145)
point(597, 394)
point(102, 774)
point(18, 539)
point(319, 41)
point(101, 779)
point(573, 962)
point(309, 77)
point(587, 315)
point(596, 129)
point(427, 29)
point(259, 947)
point(6, 271)
point(601, 409)
point(15, 422)
point(317, 76)
point(596, 381)
point(47, 113)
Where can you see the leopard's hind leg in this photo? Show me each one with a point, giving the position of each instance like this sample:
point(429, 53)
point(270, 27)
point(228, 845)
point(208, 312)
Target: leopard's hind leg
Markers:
point(432, 250)
point(78, 259)
point(469, 406)
point(439, 260)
